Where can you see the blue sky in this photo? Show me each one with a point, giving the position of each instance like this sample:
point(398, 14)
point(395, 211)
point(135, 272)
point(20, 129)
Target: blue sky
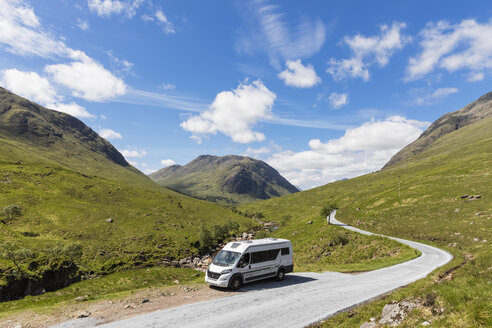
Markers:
point(321, 90)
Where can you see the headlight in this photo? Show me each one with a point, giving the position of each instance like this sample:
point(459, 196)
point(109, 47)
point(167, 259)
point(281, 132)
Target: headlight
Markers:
point(226, 271)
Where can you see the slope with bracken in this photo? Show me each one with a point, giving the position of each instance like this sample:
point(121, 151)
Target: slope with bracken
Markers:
point(227, 179)
point(437, 192)
point(68, 196)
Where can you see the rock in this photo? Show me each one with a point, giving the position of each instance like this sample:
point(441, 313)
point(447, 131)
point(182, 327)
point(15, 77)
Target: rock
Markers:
point(484, 241)
point(426, 323)
point(479, 213)
point(465, 196)
point(110, 220)
point(357, 209)
point(176, 282)
point(145, 300)
point(456, 210)
point(129, 306)
point(310, 222)
point(393, 314)
point(475, 239)
point(84, 315)
point(82, 298)
point(245, 235)
point(372, 319)
point(369, 325)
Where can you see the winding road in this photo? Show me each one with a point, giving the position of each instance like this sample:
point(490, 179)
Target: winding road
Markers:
point(298, 301)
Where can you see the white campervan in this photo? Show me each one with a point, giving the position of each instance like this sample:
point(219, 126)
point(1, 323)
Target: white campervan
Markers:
point(244, 261)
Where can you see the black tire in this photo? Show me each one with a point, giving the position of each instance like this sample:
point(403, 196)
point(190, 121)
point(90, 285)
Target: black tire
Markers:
point(235, 283)
point(280, 275)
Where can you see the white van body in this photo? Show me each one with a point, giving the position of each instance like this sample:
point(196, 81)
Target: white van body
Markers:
point(240, 262)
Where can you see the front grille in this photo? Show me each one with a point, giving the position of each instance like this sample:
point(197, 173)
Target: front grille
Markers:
point(213, 275)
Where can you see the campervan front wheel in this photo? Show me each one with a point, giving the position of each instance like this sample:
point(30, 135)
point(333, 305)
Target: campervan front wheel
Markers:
point(280, 275)
point(235, 283)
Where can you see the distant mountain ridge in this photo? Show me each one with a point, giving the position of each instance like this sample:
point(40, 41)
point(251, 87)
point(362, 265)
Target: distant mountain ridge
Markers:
point(38, 134)
point(471, 113)
point(229, 179)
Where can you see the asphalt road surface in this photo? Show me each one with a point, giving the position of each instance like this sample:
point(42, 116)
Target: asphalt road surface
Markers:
point(298, 301)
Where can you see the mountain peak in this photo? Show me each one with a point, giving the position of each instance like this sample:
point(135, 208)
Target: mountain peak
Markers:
point(230, 179)
point(471, 113)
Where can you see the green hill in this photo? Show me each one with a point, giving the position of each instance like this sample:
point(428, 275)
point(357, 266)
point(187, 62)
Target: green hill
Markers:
point(60, 184)
point(227, 179)
point(440, 195)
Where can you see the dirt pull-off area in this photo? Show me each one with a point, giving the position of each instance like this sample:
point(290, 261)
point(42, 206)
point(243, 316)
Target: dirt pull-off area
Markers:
point(105, 311)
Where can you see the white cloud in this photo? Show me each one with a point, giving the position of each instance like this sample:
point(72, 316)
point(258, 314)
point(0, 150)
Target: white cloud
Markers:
point(87, 79)
point(234, 113)
point(149, 171)
point(109, 134)
point(71, 109)
point(338, 100)
point(258, 152)
point(359, 151)
point(29, 85)
point(82, 24)
point(464, 46)
point(161, 19)
point(298, 75)
point(133, 153)
point(367, 51)
point(167, 86)
point(167, 26)
point(270, 32)
point(167, 162)
point(434, 97)
point(106, 8)
point(22, 34)
point(38, 89)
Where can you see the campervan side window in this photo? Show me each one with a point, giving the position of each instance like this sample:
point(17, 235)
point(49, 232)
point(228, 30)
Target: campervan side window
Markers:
point(270, 255)
point(285, 251)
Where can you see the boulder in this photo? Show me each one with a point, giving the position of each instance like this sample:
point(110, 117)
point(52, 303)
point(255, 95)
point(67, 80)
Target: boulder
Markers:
point(109, 220)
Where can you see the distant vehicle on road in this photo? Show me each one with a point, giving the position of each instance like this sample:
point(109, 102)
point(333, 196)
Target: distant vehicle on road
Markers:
point(240, 262)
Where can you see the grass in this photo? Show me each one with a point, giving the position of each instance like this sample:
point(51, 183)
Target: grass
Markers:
point(420, 199)
point(322, 247)
point(60, 206)
point(113, 286)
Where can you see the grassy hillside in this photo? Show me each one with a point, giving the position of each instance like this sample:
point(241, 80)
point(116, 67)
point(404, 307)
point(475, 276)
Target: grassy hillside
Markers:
point(420, 199)
point(227, 179)
point(60, 184)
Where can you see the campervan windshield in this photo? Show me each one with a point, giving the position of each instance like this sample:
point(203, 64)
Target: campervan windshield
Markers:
point(226, 258)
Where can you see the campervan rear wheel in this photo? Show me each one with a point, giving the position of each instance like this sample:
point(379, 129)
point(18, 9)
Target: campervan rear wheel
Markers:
point(235, 283)
point(280, 275)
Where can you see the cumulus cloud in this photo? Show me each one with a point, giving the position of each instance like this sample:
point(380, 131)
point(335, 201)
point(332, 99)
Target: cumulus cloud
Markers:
point(338, 100)
point(87, 79)
point(433, 97)
point(133, 153)
point(298, 75)
point(22, 33)
point(367, 51)
point(234, 113)
point(167, 162)
point(465, 46)
point(259, 152)
point(38, 89)
point(359, 151)
point(109, 134)
point(106, 8)
point(280, 39)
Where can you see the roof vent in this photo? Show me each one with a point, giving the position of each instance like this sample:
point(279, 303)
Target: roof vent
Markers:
point(235, 245)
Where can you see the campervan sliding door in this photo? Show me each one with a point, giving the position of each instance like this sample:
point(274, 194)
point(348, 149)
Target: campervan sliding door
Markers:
point(264, 263)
